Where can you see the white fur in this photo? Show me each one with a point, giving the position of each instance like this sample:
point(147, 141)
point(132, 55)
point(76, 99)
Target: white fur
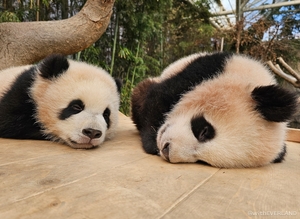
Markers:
point(7, 76)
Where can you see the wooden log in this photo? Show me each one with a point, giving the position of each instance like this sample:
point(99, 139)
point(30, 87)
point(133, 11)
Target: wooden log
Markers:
point(293, 135)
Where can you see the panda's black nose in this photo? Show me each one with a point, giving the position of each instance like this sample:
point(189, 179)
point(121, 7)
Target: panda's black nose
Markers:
point(165, 150)
point(92, 133)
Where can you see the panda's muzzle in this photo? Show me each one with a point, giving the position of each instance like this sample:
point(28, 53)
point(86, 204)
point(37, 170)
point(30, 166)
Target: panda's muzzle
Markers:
point(92, 133)
point(91, 138)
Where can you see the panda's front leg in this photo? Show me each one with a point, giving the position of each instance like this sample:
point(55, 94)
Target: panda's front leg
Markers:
point(148, 136)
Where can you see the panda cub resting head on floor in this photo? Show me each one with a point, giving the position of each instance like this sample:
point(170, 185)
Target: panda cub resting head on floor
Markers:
point(223, 109)
point(60, 100)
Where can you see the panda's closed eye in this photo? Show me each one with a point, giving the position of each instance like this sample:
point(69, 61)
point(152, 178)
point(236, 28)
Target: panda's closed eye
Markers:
point(204, 133)
point(74, 107)
point(77, 107)
point(202, 129)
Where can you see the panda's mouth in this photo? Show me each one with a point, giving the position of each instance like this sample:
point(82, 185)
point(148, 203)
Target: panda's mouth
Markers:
point(77, 145)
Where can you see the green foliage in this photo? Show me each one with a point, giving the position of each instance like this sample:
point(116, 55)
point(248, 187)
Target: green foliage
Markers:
point(187, 26)
point(7, 16)
point(91, 55)
point(135, 73)
point(46, 2)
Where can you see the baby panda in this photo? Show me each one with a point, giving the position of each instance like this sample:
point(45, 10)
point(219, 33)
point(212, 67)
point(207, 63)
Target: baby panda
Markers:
point(61, 100)
point(222, 109)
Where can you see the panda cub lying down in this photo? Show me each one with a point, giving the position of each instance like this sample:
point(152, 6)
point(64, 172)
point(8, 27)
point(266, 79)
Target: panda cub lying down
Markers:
point(222, 109)
point(60, 100)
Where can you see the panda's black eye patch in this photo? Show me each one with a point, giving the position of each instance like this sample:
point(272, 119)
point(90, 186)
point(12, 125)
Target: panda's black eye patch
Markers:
point(202, 129)
point(74, 107)
point(106, 115)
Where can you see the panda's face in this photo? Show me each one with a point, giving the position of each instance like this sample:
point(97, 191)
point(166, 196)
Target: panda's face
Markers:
point(79, 107)
point(82, 127)
point(210, 125)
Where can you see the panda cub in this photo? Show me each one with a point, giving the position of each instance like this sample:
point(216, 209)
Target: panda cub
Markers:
point(61, 100)
point(222, 109)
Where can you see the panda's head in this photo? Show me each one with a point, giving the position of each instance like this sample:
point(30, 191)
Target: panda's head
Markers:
point(76, 103)
point(228, 122)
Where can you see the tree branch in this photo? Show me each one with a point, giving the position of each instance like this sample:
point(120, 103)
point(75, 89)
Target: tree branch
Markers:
point(277, 70)
point(290, 70)
point(29, 42)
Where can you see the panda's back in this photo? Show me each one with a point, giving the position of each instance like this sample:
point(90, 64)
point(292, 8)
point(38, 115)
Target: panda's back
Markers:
point(183, 75)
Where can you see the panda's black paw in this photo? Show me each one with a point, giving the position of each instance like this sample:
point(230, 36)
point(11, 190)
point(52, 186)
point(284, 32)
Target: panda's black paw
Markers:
point(151, 149)
point(281, 155)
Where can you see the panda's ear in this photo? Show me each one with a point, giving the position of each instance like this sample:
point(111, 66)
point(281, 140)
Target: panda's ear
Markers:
point(275, 103)
point(53, 66)
point(119, 84)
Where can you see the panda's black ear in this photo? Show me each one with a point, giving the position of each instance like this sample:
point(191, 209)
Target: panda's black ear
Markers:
point(53, 66)
point(275, 103)
point(119, 84)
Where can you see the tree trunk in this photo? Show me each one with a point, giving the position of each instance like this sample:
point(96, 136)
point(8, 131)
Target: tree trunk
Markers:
point(29, 42)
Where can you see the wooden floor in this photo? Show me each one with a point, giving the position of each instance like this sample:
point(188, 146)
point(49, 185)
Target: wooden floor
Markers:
point(41, 179)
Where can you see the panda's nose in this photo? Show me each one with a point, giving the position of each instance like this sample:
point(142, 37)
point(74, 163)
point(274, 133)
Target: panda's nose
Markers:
point(92, 133)
point(166, 150)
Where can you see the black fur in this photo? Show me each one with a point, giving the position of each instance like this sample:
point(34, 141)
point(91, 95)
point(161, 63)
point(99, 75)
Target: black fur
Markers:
point(53, 66)
point(281, 155)
point(106, 116)
point(119, 84)
point(160, 97)
point(74, 107)
point(17, 109)
point(275, 103)
point(138, 99)
point(202, 130)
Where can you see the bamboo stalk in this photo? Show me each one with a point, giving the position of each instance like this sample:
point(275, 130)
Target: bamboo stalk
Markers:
point(114, 45)
point(136, 56)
